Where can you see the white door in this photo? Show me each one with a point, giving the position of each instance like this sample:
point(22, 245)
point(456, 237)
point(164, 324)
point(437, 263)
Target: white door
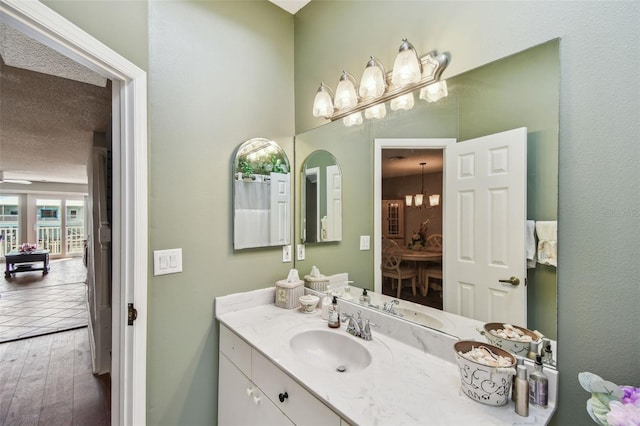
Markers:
point(334, 203)
point(280, 205)
point(486, 189)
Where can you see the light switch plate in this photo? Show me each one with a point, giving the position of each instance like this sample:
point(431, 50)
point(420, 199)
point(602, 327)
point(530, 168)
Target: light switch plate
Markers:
point(301, 252)
point(364, 242)
point(167, 261)
point(286, 253)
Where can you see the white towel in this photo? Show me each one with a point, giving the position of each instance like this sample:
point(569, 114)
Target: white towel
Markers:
point(530, 243)
point(547, 232)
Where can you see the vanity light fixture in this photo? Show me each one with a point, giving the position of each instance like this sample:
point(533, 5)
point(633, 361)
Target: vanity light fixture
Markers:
point(434, 92)
point(409, 73)
point(322, 104)
point(373, 82)
point(407, 68)
point(417, 200)
point(346, 96)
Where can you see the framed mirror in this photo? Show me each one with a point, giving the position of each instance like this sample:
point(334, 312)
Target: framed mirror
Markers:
point(521, 90)
point(261, 195)
point(320, 198)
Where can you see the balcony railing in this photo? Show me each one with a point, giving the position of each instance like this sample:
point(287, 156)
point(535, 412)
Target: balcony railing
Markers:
point(50, 238)
point(9, 239)
point(75, 240)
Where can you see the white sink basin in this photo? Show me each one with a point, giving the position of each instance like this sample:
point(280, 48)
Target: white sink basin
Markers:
point(330, 350)
point(419, 317)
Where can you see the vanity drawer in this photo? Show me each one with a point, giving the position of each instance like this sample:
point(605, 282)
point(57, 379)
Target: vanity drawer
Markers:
point(301, 406)
point(237, 350)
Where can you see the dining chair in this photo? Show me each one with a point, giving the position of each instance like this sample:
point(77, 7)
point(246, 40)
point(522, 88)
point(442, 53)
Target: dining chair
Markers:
point(433, 269)
point(392, 266)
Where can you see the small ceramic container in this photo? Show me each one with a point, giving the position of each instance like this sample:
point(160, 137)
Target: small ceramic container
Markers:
point(308, 303)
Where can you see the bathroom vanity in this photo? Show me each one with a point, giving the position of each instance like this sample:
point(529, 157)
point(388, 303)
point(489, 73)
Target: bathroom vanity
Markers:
point(283, 367)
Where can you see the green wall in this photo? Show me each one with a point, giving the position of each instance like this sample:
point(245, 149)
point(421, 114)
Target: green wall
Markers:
point(598, 202)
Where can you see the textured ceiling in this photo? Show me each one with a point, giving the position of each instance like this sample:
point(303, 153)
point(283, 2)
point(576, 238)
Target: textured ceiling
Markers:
point(47, 125)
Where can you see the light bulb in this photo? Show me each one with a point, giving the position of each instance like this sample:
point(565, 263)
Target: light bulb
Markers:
point(354, 119)
point(376, 111)
point(434, 92)
point(322, 103)
point(372, 83)
point(406, 68)
point(419, 200)
point(346, 96)
point(408, 200)
point(434, 200)
point(405, 102)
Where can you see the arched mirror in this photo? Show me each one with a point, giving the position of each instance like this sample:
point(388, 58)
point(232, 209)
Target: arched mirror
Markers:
point(261, 195)
point(321, 198)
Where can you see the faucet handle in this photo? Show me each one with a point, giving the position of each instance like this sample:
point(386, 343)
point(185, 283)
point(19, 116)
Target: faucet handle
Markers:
point(344, 317)
point(366, 331)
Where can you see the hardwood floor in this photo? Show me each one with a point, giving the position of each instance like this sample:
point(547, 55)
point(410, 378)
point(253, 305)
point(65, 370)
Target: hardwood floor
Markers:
point(47, 380)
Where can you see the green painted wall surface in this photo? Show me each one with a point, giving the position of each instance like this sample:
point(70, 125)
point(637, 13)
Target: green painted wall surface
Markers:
point(121, 25)
point(598, 203)
point(220, 73)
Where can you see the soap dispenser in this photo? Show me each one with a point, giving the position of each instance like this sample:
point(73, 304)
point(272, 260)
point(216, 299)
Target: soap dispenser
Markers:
point(334, 313)
point(538, 385)
point(365, 298)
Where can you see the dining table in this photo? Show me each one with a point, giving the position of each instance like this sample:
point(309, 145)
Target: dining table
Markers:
point(422, 259)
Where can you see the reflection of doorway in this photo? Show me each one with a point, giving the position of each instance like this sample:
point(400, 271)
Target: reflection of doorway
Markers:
point(405, 155)
point(410, 177)
point(312, 205)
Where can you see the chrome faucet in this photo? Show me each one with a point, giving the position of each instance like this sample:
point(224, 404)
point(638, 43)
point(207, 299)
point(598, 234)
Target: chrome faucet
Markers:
point(388, 307)
point(355, 327)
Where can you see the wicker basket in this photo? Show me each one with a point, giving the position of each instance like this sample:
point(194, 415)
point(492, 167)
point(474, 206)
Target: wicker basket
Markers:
point(288, 294)
point(316, 283)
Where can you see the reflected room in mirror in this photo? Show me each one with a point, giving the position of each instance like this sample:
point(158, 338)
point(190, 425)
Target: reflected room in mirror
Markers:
point(321, 198)
point(261, 195)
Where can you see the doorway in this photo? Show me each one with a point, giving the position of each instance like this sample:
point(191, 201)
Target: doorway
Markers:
point(129, 234)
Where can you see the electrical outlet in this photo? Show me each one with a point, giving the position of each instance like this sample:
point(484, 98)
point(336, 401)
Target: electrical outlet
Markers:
point(301, 252)
point(286, 253)
point(364, 242)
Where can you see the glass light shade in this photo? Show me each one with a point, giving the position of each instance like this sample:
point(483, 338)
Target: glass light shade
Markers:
point(434, 200)
point(419, 198)
point(405, 102)
point(408, 200)
point(346, 96)
point(406, 68)
point(372, 83)
point(434, 92)
point(354, 119)
point(376, 111)
point(322, 103)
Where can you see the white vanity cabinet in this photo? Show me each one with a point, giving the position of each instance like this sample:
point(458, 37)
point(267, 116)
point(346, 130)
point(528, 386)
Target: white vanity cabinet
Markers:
point(253, 390)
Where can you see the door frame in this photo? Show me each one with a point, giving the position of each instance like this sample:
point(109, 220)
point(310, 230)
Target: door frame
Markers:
point(402, 143)
point(130, 227)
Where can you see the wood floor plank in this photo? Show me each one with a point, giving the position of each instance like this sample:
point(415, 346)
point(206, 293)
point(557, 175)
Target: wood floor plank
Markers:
point(44, 389)
point(58, 414)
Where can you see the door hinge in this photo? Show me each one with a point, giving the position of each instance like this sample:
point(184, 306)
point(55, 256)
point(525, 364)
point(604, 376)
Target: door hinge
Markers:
point(132, 314)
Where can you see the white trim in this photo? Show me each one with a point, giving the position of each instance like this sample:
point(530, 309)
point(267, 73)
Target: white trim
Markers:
point(379, 145)
point(130, 193)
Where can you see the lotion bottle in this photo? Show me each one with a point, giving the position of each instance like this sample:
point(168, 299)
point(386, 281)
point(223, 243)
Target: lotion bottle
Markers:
point(522, 391)
point(514, 389)
point(334, 313)
point(538, 385)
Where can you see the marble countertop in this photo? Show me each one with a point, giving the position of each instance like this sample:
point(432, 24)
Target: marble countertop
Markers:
point(403, 385)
